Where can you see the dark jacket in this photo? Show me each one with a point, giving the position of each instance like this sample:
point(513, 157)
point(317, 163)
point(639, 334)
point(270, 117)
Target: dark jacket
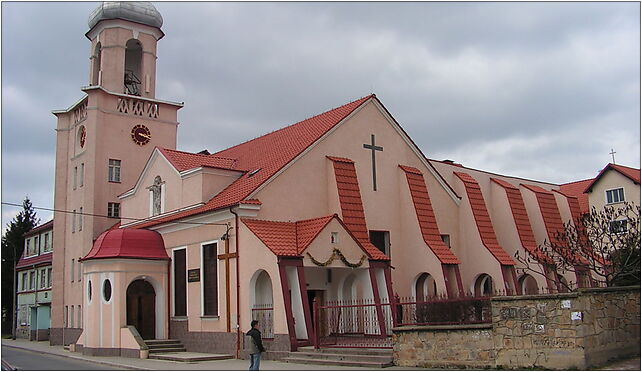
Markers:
point(256, 337)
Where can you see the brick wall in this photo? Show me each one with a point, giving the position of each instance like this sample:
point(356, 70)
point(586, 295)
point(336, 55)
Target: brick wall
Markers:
point(561, 331)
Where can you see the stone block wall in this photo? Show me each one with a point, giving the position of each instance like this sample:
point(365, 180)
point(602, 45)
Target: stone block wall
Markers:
point(561, 331)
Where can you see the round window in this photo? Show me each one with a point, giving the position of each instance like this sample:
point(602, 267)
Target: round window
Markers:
point(107, 290)
point(89, 290)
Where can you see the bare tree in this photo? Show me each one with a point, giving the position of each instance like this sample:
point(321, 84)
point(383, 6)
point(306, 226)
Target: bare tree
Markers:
point(602, 247)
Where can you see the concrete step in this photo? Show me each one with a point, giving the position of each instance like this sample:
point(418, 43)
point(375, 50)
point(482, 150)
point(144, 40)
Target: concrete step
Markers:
point(158, 350)
point(188, 357)
point(343, 356)
point(332, 362)
point(161, 342)
point(347, 350)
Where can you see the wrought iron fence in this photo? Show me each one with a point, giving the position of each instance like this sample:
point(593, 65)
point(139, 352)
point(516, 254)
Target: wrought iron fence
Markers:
point(264, 313)
point(443, 310)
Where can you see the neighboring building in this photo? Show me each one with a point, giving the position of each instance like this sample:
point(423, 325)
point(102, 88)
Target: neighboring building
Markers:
point(34, 271)
point(613, 186)
point(342, 206)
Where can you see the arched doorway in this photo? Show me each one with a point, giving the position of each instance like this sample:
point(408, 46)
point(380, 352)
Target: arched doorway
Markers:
point(141, 308)
point(263, 306)
point(528, 284)
point(425, 287)
point(484, 285)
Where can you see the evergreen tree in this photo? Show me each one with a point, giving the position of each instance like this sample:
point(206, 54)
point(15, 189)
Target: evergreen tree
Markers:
point(12, 247)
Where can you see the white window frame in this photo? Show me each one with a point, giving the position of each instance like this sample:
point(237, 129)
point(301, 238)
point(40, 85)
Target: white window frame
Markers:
point(218, 292)
point(114, 170)
point(606, 196)
point(32, 285)
point(43, 278)
point(111, 208)
point(173, 286)
point(24, 281)
point(49, 277)
point(46, 243)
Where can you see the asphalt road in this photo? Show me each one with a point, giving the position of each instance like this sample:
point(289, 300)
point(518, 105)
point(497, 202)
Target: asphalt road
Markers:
point(25, 360)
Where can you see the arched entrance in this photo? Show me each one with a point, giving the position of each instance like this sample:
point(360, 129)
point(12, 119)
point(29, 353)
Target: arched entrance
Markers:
point(425, 287)
point(141, 308)
point(263, 306)
point(528, 284)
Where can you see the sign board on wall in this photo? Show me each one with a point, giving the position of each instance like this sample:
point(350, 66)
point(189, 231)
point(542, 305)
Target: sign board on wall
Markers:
point(193, 275)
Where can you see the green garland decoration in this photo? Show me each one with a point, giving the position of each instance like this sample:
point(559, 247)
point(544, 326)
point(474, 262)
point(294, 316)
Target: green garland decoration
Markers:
point(337, 254)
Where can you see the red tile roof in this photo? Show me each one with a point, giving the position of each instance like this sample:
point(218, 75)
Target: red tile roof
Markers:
point(267, 154)
point(482, 219)
point(182, 160)
point(552, 220)
point(426, 216)
point(128, 243)
point(292, 238)
point(352, 206)
point(40, 260)
point(39, 228)
point(577, 189)
point(522, 223)
point(631, 173)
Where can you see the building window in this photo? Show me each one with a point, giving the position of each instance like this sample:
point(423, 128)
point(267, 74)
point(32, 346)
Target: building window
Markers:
point(114, 170)
point(113, 209)
point(381, 240)
point(618, 226)
point(82, 174)
point(615, 196)
point(32, 280)
point(106, 290)
point(71, 316)
point(334, 237)
point(45, 245)
point(28, 246)
point(446, 240)
point(75, 177)
point(180, 282)
point(35, 245)
point(43, 278)
point(73, 221)
point(210, 279)
point(49, 278)
point(79, 317)
point(79, 270)
point(89, 290)
point(24, 281)
point(80, 220)
point(65, 316)
point(71, 271)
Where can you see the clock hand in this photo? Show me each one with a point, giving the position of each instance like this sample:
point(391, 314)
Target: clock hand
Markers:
point(145, 135)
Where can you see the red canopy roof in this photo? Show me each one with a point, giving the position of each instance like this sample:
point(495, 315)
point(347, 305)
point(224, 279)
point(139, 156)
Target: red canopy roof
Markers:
point(128, 243)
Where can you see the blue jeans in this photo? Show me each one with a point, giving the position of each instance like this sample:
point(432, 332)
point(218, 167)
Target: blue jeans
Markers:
point(255, 361)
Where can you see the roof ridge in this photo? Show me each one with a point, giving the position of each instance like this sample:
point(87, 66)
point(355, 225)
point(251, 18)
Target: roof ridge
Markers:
point(573, 182)
point(197, 154)
point(298, 122)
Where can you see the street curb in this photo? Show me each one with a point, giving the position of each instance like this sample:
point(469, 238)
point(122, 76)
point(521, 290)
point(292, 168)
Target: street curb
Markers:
point(111, 364)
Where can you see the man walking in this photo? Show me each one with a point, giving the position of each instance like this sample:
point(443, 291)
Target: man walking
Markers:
point(254, 345)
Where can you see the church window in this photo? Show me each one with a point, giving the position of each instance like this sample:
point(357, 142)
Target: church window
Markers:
point(95, 76)
point(381, 240)
point(80, 220)
point(73, 221)
point(71, 317)
point(81, 178)
point(71, 270)
point(75, 177)
point(79, 270)
point(209, 275)
point(106, 290)
point(113, 209)
point(114, 170)
point(133, 61)
point(180, 282)
point(79, 317)
point(615, 196)
point(65, 317)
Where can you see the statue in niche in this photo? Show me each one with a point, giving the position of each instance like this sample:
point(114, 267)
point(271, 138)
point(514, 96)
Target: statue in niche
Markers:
point(155, 188)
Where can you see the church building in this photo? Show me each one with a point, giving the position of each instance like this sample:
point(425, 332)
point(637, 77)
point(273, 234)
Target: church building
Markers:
point(341, 207)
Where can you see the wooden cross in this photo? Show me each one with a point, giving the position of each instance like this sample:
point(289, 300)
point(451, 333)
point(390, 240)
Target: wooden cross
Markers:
point(227, 256)
point(613, 155)
point(372, 147)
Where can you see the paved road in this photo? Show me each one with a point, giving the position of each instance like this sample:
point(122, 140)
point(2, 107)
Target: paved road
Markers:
point(25, 360)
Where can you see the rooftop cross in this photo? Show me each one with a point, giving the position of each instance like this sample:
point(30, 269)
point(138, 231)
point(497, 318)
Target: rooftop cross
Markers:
point(373, 148)
point(613, 155)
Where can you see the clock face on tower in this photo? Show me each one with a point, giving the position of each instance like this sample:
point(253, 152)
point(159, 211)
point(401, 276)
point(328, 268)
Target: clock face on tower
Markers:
point(141, 134)
point(82, 136)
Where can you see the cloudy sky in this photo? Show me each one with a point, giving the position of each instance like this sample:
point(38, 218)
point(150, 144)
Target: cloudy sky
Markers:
point(538, 90)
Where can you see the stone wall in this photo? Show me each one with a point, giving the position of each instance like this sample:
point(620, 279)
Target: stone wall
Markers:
point(561, 331)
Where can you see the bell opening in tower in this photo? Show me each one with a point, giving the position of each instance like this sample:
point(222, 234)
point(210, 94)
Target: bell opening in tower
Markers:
point(133, 61)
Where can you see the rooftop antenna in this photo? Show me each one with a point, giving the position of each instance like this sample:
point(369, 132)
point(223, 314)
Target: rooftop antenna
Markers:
point(613, 155)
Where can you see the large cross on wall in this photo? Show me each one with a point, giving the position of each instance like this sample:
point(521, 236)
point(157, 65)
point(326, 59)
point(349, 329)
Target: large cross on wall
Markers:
point(373, 148)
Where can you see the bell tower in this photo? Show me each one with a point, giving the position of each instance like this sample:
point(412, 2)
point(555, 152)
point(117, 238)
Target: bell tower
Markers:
point(102, 144)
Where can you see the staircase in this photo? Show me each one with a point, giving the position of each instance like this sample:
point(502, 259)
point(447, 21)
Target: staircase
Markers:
point(175, 351)
point(346, 357)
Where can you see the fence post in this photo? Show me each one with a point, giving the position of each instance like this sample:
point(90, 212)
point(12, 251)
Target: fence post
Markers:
point(315, 320)
point(393, 310)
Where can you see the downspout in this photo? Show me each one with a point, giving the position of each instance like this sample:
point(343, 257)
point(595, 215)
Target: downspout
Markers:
point(169, 284)
point(238, 285)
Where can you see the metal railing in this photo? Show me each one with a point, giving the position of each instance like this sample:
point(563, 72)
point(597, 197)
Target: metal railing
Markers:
point(264, 313)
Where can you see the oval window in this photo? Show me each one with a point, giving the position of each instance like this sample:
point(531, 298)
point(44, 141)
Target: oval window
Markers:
point(89, 290)
point(107, 290)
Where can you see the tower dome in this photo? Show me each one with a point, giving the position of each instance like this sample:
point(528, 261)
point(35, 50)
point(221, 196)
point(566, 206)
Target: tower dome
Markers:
point(136, 11)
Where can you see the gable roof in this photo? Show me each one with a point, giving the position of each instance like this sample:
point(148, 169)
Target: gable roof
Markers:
point(577, 189)
point(631, 173)
point(292, 238)
point(263, 157)
point(482, 219)
point(45, 226)
point(182, 160)
point(426, 216)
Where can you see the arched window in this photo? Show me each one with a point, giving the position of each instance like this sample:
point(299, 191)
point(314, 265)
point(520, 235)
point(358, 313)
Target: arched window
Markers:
point(263, 307)
point(133, 64)
point(95, 74)
point(484, 285)
point(425, 287)
point(528, 284)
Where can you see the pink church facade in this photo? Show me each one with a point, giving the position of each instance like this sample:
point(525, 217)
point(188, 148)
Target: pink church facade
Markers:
point(341, 206)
